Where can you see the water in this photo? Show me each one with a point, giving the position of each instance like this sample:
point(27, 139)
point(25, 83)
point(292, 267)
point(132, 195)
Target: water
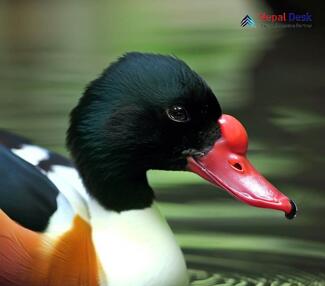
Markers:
point(49, 52)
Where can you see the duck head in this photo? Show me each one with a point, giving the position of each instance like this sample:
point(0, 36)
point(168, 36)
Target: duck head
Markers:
point(151, 111)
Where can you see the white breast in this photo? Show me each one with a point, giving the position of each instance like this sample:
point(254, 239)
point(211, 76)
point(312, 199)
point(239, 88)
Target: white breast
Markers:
point(136, 248)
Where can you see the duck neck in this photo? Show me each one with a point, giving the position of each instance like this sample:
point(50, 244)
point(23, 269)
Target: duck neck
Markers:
point(121, 193)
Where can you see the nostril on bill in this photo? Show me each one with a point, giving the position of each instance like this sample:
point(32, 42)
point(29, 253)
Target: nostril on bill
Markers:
point(237, 166)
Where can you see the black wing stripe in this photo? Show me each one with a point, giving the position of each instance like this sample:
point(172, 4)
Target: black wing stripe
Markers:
point(54, 159)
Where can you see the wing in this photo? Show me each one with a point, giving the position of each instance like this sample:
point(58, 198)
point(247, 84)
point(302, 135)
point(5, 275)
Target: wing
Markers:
point(39, 189)
point(42, 191)
point(26, 195)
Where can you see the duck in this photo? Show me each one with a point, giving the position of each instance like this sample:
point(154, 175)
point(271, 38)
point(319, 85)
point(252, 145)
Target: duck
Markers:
point(93, 220)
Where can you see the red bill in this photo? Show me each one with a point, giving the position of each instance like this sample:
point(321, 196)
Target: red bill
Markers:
point(227, 166)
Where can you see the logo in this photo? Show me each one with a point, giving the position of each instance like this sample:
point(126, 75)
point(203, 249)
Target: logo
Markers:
point(286, 17)
point(248, 21)
point(290, 20)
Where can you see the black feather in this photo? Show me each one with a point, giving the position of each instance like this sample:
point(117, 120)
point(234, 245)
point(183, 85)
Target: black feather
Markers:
point(120, 128)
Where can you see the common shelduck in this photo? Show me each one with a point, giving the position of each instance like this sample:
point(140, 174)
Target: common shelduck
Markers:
point(93, 220)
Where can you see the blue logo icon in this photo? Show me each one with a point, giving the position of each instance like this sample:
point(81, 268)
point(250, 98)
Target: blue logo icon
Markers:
point(247, 21)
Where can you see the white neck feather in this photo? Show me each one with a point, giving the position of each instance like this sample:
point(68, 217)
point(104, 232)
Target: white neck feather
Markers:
point(136, 248)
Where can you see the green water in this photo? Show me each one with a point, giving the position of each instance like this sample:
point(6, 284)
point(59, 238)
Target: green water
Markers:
point(50, 50)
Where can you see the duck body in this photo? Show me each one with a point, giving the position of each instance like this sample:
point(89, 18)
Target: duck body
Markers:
point(77, 242)
point(93, 220)
point(45, 235)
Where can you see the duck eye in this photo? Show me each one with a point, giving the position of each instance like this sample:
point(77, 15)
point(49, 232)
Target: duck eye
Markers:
point(178, 113)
